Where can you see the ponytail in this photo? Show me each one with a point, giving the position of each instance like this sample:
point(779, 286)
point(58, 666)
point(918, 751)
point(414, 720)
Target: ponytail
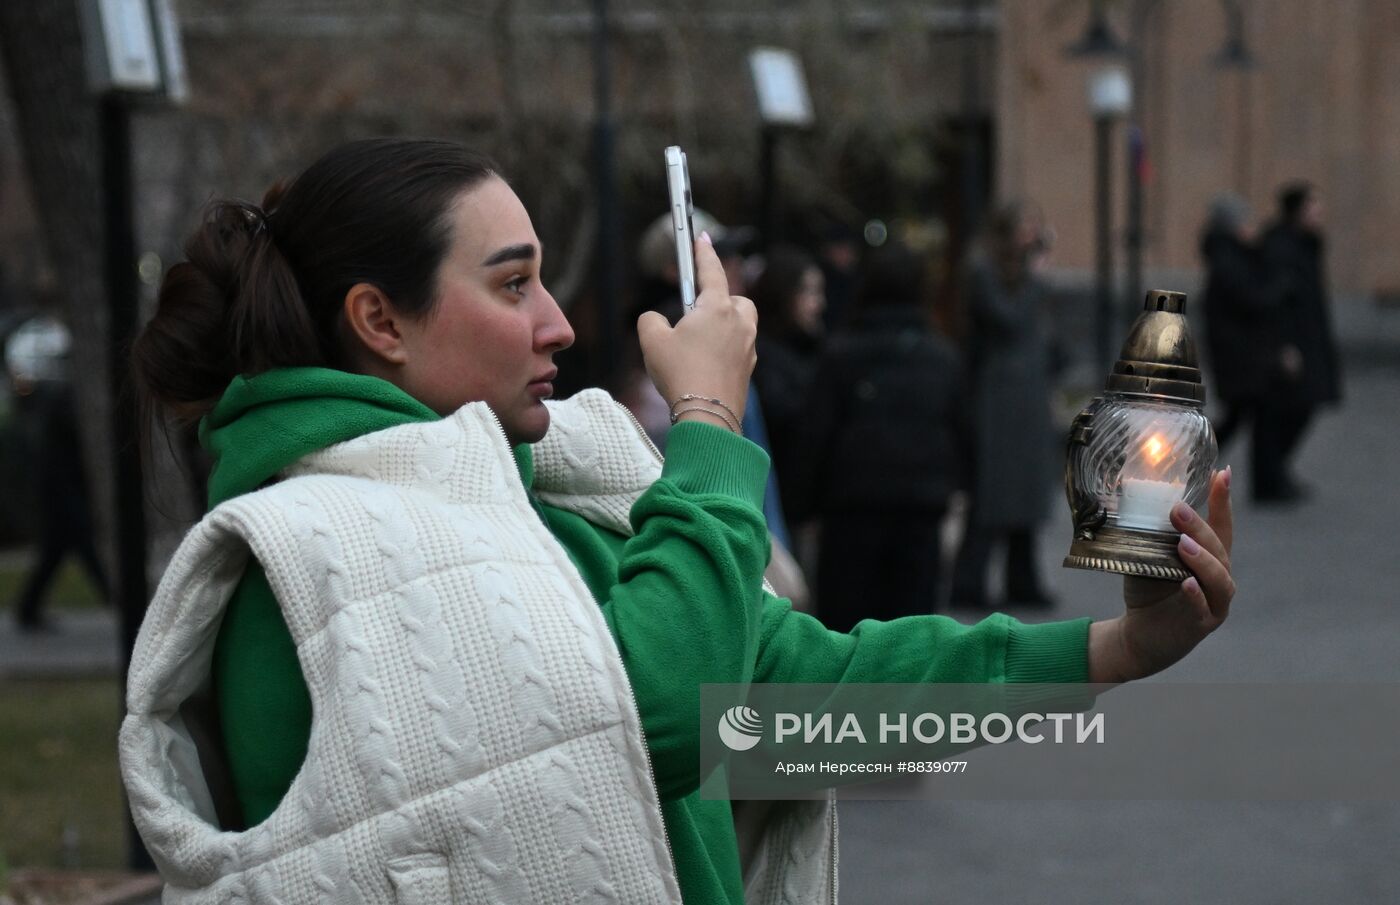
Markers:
point(261, 287)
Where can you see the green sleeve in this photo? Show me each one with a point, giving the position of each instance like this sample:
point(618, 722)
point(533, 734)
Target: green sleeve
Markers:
point(796, 647)
point(264, 704)
point(687, 604)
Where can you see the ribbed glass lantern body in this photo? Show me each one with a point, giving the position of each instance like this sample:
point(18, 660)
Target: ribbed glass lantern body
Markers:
point(1142, 456)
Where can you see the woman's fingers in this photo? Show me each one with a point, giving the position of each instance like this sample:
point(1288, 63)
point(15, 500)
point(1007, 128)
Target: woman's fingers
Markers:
point(1210, 575)
point(1222, 516)
point(1189, 523)
point(1205, 548)
point(709, 271)
point(650, 325)
point(1211, 572)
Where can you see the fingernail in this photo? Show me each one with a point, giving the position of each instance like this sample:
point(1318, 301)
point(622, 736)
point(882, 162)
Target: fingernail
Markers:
point(1189, 545)
point(705, 237)
point(1183, 512)
point(1228, 469)
point(1192, 586)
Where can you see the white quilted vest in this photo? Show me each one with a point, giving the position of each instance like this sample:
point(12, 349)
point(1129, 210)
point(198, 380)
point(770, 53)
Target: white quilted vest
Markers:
point(474, 736)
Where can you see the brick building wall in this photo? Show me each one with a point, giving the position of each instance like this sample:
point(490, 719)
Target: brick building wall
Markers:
point(275, 82)
point(1321, 103)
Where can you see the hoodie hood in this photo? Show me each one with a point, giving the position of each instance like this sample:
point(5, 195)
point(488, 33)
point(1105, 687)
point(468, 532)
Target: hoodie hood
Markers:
point(263, 424)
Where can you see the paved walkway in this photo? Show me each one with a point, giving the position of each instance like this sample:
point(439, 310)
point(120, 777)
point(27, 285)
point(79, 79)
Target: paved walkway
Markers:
point(83, 643)
point(1319, 601)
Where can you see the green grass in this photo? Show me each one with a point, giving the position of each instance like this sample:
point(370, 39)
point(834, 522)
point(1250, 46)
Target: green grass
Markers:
point(71, 589)
point(58, 767)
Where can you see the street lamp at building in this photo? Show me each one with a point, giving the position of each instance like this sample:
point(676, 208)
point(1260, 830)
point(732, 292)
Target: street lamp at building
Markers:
point(1110, 99)
point(1139, 448)
point(1098, 39)
point(1099, 42)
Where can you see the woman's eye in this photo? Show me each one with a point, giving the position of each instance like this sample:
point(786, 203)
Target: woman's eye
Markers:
point(516, 285)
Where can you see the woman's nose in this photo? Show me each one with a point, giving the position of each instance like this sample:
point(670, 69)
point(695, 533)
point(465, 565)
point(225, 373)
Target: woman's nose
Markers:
point(555, 334)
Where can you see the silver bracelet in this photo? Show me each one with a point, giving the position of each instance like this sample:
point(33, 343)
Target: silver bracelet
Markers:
point(692, 397)
point(675, 415)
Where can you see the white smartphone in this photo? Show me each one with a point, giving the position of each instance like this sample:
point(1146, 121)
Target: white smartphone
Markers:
point(683, 230)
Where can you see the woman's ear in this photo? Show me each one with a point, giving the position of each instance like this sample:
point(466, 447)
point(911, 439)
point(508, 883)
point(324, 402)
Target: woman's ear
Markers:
point(376, 323)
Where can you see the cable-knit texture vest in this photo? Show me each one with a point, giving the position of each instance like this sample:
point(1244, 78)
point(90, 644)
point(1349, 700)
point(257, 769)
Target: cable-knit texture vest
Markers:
point(474, 736)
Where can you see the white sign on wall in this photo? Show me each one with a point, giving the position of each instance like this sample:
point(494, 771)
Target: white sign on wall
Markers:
point(133, 46)
point(781, 87)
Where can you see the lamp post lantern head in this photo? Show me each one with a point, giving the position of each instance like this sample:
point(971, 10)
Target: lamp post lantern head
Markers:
point(1110, 92)
point(1098, 40)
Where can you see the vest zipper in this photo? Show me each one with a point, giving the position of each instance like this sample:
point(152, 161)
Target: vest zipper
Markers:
point(646, 438)
point(646, 752)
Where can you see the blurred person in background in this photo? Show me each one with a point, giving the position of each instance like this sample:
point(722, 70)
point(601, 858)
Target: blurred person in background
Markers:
point(790, 295)
point(36, 356)
point(660, 292)
point(1246, 349)
point(884, 425)
point(1294, 253)
point(838, 255)
point(503, 607)
point(1016, 459)
point(656, 256)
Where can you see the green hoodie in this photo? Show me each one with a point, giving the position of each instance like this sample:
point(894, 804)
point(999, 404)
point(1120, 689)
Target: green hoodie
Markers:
point(681, 598)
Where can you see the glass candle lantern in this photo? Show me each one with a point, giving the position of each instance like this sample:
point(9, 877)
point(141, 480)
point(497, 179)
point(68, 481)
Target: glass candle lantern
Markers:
point(1139, 448)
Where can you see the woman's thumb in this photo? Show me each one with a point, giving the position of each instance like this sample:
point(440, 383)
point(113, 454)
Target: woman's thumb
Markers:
point(650, 326)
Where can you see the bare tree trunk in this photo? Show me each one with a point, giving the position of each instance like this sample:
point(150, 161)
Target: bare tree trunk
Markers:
point(41, 49)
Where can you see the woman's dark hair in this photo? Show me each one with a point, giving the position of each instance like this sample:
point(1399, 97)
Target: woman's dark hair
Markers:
point(1001, 241)
point(777, 287)
point(262, 287)
point(891, 275)
point(1292, 198)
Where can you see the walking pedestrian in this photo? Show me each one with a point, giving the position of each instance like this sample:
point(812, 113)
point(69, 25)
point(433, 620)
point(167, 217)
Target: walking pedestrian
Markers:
point(1294, 251)
point(36, 358)
point(1016, 458)
point(1249, 357)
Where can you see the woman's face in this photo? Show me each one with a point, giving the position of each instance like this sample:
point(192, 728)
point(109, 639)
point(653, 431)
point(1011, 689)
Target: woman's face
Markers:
point(493, 332)
point(810, 301)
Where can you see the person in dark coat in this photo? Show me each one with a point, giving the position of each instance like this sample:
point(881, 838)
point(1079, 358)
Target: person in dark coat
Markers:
point(884, 423)
point(1293, 250)
point(1016, 458)
point(1249, 357)
point(65, 525)
point(790, 296)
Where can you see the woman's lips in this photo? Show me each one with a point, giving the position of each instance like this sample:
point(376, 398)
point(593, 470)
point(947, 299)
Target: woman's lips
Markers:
point(543, 385)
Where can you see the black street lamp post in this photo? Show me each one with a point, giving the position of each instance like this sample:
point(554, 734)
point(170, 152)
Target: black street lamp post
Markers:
point(1099, 42)
point(1110, 96)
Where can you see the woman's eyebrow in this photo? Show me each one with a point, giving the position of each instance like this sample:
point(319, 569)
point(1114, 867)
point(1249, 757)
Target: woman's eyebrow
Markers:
point(522, 252)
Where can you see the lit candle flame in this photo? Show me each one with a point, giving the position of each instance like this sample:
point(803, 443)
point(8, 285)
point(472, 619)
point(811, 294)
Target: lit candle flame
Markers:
point(1155, 449)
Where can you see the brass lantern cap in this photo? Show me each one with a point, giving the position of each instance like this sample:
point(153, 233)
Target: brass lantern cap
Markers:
point(1159, 356)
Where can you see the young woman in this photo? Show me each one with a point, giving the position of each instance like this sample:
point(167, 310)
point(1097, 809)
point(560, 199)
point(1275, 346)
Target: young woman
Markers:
point(790, 295)
point(1016, 456)
point(456, 633)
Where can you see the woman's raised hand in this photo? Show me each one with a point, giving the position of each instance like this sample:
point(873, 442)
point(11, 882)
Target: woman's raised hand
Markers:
point(1165, 620)
point(710, 352)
